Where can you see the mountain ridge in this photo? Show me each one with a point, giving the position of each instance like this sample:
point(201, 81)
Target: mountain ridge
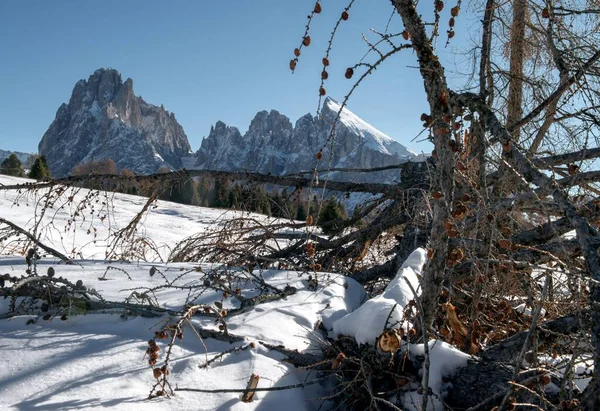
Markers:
point(273, 145)
point(105, 119)
point(25, 158)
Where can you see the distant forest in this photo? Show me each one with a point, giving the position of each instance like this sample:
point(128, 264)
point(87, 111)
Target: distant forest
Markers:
point(217, 193)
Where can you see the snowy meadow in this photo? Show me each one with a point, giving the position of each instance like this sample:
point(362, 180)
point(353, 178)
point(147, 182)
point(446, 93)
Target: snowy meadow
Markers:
point(93, 344)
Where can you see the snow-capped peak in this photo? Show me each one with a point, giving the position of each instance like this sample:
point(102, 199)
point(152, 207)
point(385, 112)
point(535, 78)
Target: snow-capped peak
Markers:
point(374, 138)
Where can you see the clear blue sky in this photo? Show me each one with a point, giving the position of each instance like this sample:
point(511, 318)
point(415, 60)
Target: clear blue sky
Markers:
point(204, 60)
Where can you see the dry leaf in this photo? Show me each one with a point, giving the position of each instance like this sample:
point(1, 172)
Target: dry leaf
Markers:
point(388, 342)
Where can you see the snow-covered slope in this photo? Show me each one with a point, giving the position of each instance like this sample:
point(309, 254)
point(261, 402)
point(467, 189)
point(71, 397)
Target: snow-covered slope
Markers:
point(95, 359)
point(372, 137)
point(273, 145)
point(87, 234)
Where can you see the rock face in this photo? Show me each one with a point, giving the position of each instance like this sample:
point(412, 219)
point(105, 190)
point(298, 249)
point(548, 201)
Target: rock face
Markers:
point(273, 145)
point(105, 119)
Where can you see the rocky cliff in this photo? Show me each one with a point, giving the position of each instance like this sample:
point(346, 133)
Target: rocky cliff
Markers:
point(105, 119)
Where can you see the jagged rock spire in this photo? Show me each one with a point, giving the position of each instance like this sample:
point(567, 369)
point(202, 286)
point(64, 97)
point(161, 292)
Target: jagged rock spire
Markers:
point(105, 119)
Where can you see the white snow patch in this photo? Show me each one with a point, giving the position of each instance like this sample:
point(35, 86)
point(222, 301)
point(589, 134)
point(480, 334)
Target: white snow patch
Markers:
point(369, 321)
point(445, 361)
point(582, 370)
point(526, 310)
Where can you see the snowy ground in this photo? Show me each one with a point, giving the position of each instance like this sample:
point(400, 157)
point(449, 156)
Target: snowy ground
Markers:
point(96, 359)
point(80, 228)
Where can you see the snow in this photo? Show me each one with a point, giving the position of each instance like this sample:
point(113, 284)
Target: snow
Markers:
point(166, 224)
point(374, 138)
point(95, 359)
point(158, 156)
point(581, 370)
point(526, 310)
point(96, 111)
point(96, 362)
point(385, 310)
point(445, 361)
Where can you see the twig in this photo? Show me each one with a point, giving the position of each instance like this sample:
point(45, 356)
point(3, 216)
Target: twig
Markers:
point(241, 390)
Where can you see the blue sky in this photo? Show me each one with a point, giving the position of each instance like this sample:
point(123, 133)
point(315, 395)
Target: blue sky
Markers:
point(203, 60)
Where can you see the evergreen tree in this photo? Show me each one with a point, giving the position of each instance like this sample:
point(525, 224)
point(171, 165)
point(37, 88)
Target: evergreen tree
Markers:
point(235, 197)
point(331, 216)
point(203, 191)
point(261, 202)
point(313, 207)
point(221, 194)
point(128, 187)
point(12, 166)
point(286, 209)
point(39, 169)
point(301, 212)
point(185, 192)
point(45, 163)
point(276, 209)
point(195, 195)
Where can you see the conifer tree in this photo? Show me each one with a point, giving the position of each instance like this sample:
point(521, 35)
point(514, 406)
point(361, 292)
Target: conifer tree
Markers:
point(331, 216)
point(222, 194)
point(39, 169)
point(301, 211)
point(12, 166)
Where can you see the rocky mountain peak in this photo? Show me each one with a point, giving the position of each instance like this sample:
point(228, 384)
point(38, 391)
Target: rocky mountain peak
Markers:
point(269, 129)
point(218, 127)
point(105, 119)
point(102, 86)
point(330, 104)
point(273, 145)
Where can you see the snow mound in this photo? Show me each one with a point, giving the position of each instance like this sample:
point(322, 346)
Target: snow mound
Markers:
point(95, 362)
point(445, 362)
point(385, 310)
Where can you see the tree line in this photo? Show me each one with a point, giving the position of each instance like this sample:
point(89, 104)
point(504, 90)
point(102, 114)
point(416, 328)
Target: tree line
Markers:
point(12, 166)
point(328, 213)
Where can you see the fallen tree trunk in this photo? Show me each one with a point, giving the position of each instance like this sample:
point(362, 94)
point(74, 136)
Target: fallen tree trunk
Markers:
point(484, 381)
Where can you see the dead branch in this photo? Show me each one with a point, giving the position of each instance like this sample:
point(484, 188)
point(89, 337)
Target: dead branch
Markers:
point(34, 240)
point(243, 390)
